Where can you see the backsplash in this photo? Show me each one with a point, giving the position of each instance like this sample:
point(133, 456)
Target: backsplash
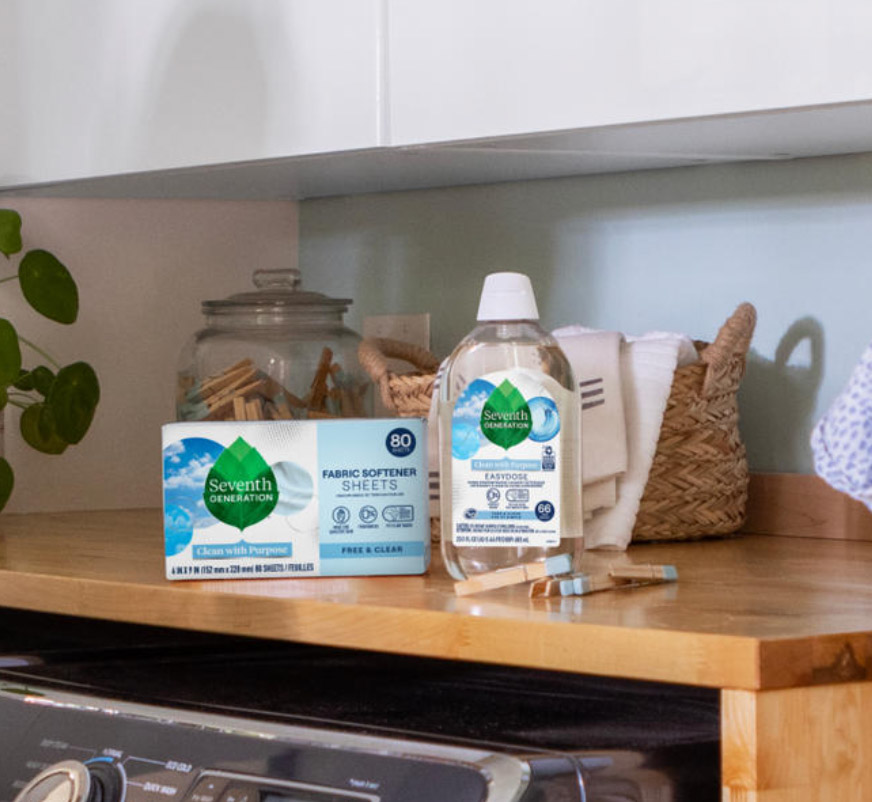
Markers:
point(670, 249)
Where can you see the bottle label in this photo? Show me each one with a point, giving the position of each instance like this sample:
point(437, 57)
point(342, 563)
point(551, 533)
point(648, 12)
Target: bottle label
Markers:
point(506, 461)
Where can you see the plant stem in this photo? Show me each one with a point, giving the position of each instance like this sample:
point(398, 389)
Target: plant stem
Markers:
point(8, 278)
point(39, 351)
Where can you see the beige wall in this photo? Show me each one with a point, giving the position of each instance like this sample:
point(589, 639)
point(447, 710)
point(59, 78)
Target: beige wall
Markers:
point(142, 268)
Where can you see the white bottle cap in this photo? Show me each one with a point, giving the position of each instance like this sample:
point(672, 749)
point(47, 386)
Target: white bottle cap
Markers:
point(507, 296)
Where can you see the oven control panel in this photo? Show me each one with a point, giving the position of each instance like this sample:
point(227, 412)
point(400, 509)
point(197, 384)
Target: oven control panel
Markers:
point(104, 781)
point(63, 748)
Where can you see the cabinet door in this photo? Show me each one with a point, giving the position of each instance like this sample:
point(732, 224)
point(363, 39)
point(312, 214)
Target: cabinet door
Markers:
point(97, 87)
point(462, 70)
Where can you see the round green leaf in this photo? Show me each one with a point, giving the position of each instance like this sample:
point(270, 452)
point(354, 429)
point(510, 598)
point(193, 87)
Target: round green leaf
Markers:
point(7, 482)
point(4, 398)
point(39, 430)
point(10, 353)
point(48, 286)
point(10, 231)
point(43, 379)
point(24, 381)
point(73, 400)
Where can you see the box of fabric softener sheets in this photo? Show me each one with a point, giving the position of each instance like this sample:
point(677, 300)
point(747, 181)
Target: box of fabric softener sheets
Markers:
point(295, 498)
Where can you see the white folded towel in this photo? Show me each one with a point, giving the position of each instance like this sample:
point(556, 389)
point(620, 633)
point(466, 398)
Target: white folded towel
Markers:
point(687, 353)
point(599, 495)
point(595, 357)
point(648, 365)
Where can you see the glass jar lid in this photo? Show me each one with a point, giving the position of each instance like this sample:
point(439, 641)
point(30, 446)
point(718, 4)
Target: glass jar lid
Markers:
point(278, 292)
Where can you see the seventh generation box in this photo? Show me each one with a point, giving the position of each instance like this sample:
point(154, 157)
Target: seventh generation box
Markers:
point(295, 498)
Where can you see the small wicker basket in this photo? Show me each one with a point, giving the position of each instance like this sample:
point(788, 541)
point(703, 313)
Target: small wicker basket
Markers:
point(698, 483)
point(407, 394)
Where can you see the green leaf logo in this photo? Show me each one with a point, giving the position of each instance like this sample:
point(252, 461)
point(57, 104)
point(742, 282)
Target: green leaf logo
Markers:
point(505, 417)
point(241, 489)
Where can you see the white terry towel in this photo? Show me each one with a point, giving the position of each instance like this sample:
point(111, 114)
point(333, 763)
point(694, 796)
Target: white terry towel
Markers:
point(648, 365)
point(595, 357)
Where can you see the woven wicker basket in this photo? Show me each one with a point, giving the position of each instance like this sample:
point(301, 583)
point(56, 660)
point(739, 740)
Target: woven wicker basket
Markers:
point(407, 394)
point(698, 483)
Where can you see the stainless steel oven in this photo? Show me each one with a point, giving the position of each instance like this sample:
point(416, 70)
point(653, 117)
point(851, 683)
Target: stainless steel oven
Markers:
point(97, 712)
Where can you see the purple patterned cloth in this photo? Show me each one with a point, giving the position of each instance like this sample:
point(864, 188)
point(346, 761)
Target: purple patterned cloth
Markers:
point(842, 440)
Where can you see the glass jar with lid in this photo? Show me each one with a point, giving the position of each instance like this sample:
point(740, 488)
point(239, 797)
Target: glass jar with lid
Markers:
point(277, 353)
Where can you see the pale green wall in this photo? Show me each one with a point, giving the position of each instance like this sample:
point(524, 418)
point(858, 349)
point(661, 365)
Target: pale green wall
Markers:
point(671, 249)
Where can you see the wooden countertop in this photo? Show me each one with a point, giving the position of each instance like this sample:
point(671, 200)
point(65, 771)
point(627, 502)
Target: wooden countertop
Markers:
point(752, 612)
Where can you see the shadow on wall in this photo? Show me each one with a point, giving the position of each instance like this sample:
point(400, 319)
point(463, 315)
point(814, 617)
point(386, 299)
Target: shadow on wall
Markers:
point(783, 393)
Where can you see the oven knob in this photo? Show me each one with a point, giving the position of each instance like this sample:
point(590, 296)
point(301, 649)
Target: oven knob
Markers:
point(72, 781)
point(108, 781)
point(69, 781)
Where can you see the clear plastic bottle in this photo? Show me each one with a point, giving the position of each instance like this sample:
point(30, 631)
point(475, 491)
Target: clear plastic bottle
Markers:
point(509, 418)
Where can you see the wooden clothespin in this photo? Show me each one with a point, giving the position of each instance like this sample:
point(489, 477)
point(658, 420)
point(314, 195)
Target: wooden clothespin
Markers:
point(516, 575)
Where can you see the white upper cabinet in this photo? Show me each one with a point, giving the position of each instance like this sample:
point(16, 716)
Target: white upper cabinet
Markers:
point(222, 98)
point(97, 87)
point(463, 70)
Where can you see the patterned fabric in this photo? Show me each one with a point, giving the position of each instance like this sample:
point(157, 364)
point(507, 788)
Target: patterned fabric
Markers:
point(842, 440)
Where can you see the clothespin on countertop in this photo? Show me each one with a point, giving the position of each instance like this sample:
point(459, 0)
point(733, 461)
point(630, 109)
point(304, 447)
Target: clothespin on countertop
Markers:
point(625, 576)
point(516, 575)
point(552, 577)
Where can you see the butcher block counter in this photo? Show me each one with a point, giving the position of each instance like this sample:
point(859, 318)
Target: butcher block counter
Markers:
point(782, 625)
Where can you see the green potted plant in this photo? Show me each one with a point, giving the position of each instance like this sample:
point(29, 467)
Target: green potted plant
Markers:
point(57, 401)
